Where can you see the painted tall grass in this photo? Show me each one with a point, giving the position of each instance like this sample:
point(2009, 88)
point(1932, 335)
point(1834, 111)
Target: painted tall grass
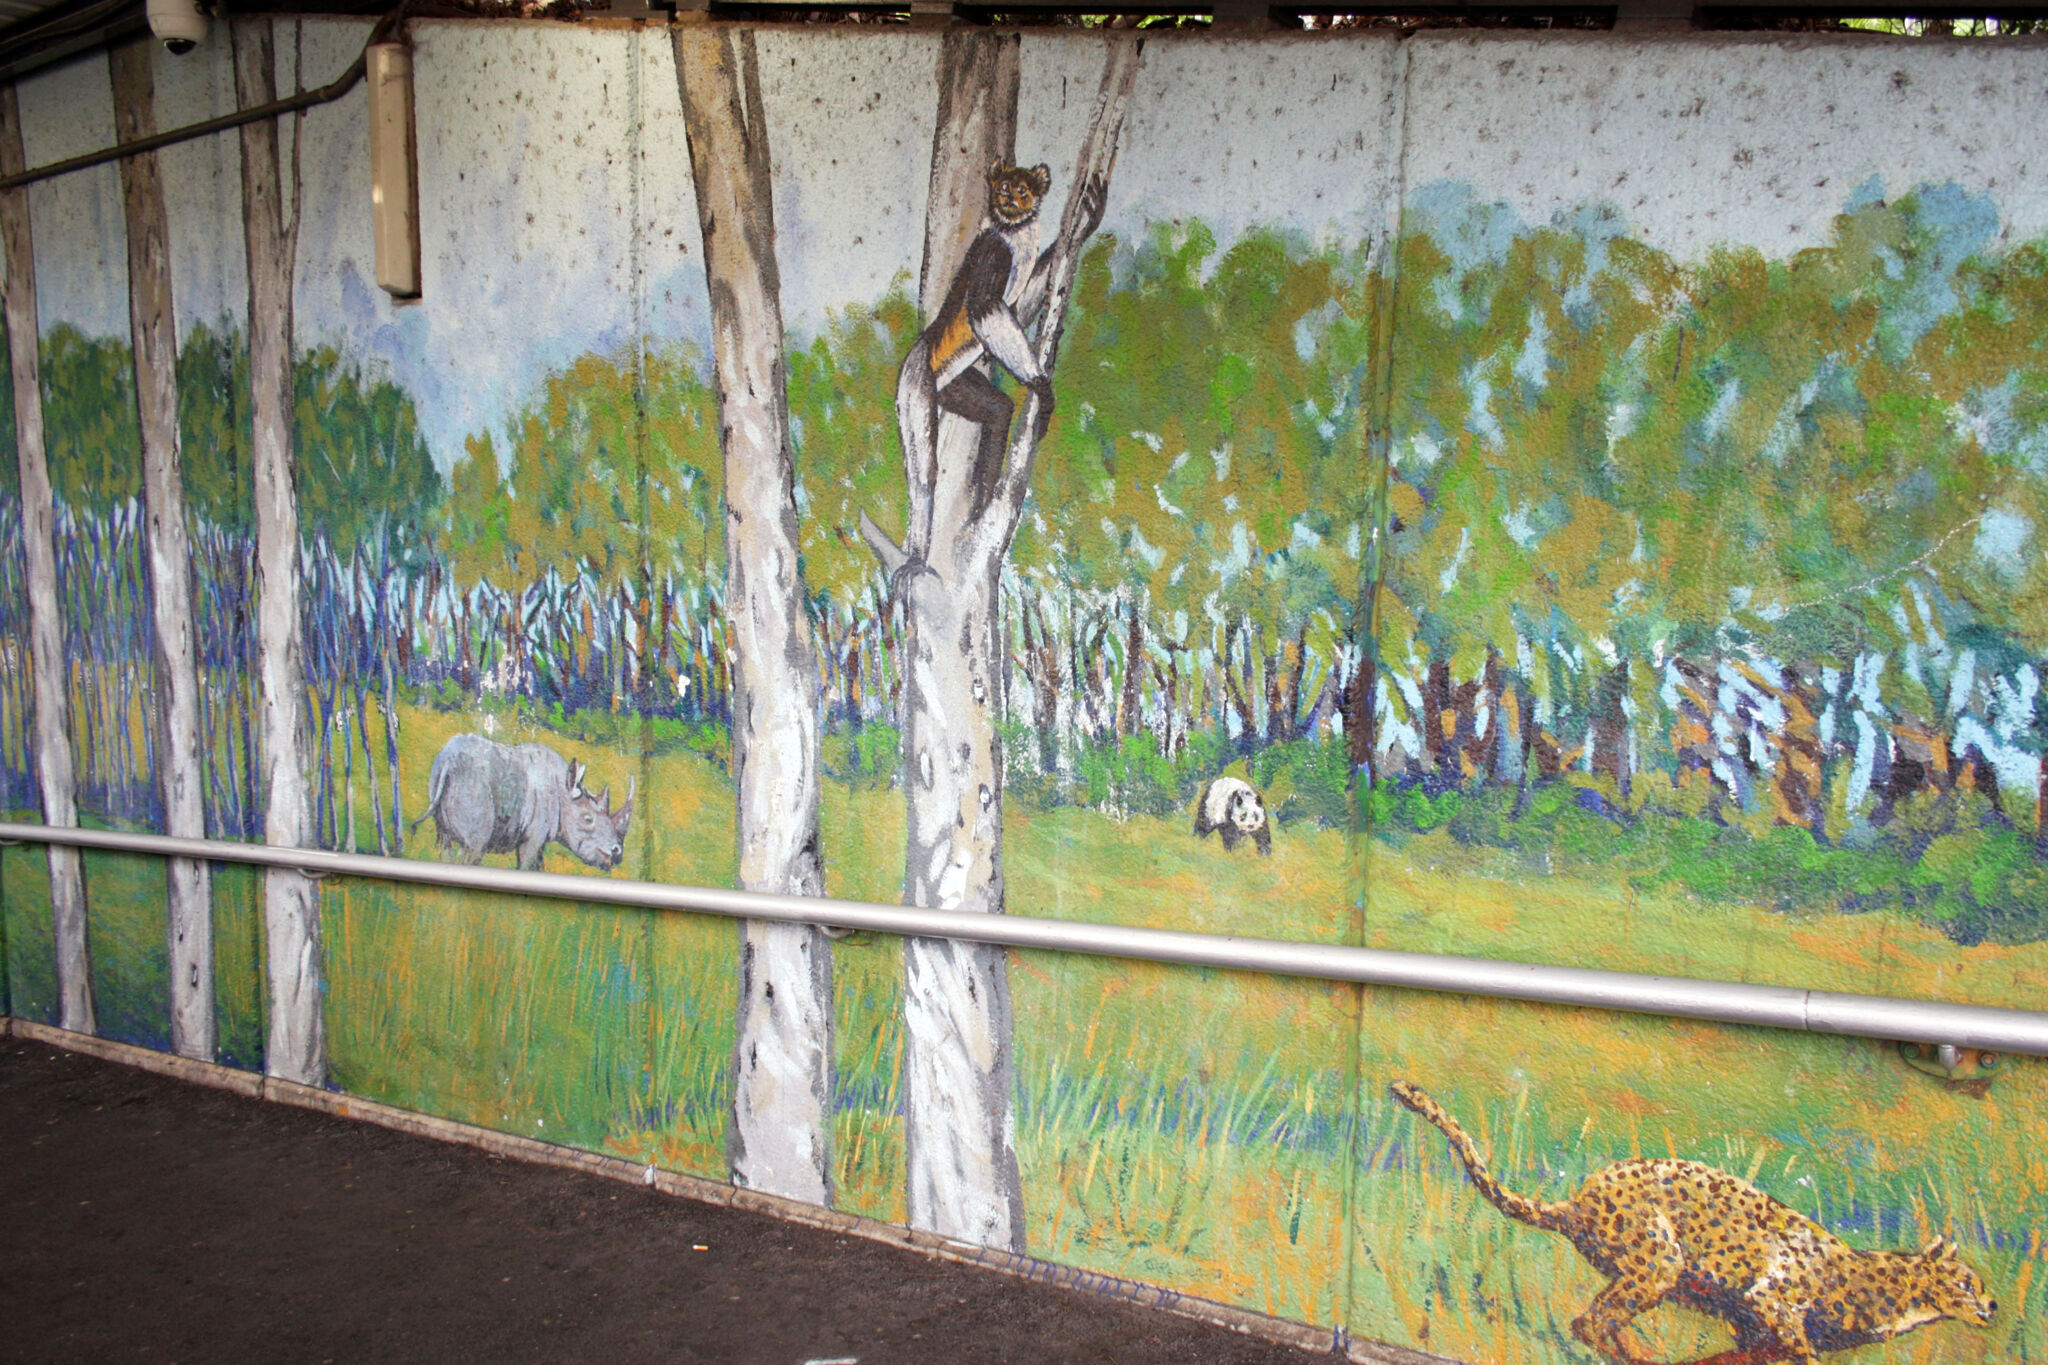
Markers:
point(1203, 1129)
point(125, 924)
point(25, 929)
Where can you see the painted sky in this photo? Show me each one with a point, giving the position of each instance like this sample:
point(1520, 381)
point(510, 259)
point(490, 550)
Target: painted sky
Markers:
point(557, 216)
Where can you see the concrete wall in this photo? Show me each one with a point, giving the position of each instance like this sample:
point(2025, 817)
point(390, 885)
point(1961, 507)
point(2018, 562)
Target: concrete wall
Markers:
point(1588, 487)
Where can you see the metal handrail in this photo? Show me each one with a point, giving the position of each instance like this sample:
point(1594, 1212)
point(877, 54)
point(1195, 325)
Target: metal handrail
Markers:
point(1730, 1002)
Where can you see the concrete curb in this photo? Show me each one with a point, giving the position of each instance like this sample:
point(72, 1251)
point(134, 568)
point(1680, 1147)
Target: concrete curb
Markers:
point(1337, 1342)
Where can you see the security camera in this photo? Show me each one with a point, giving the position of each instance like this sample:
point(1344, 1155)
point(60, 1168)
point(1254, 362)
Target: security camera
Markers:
point(178, 23)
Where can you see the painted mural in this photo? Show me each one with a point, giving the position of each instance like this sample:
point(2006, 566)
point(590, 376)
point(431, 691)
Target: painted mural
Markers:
point(1551, 499)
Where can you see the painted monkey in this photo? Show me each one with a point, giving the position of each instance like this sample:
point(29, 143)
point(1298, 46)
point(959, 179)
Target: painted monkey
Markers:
point(1000, 285)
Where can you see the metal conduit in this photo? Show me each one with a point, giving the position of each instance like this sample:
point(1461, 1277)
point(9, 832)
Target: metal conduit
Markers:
point(305, 99)
point(1731, 1002)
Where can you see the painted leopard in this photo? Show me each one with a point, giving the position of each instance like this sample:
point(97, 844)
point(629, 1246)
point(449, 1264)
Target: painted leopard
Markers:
point(1684, 1232)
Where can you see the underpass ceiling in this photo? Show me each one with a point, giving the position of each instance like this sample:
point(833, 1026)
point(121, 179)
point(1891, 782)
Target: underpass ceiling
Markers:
point(37, 33)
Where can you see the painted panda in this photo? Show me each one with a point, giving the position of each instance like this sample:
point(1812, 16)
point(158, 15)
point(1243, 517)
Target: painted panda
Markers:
point(1232, 806)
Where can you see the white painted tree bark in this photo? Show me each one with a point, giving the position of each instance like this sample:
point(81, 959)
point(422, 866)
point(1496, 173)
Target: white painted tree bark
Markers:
point(958, 1064)
point(55, 776)
point(782, 1054)
point(295, 1048)
point(167, 553)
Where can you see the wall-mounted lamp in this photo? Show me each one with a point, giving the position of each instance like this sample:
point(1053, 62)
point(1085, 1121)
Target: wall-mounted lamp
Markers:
point(394, 170)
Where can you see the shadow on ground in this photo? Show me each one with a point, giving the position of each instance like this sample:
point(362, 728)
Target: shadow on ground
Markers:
point(152, 1220)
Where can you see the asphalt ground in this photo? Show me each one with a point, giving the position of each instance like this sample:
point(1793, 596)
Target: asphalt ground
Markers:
point(148, 1219)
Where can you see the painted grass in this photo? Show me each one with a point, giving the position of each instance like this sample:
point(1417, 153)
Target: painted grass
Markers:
point(564, 1022)
point(1196, 1128)
point(125, 935)
point(25, 931)
point(1433, 894)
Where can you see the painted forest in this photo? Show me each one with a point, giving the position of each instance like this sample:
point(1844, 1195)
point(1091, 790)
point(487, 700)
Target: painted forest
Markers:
point(1734, 557)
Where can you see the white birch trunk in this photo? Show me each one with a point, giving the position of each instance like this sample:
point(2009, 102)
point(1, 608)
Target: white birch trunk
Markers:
point(55, 776)
point(168, 555)
point(782, 1051)
point(295, 1048)
point(958, 1056)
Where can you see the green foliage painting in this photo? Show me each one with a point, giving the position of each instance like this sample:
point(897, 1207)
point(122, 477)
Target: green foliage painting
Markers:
point(1733, 560)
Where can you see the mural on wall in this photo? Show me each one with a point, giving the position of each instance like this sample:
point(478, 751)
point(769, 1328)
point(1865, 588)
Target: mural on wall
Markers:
point(1221, 485)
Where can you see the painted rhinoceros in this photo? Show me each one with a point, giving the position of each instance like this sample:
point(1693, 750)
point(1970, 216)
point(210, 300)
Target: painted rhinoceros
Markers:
point(487, 797)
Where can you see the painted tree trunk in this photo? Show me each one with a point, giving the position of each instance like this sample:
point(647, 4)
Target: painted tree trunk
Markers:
point(1041, 655)
point(959, 1122)
point(1361, 721)
point(782, 1051)
point(1801, 759)
point(295, 1048)
point(55, 776)
point(1437, 753)
point(180, 773)
point(2041, 790)
point(1285, 668)
point(958, 1081)
point(1607, 732)
point(1239, 688)
point(1130, 707)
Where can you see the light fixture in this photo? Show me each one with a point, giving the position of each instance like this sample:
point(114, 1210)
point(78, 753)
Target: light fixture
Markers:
point(178, 24)
point(394, 169)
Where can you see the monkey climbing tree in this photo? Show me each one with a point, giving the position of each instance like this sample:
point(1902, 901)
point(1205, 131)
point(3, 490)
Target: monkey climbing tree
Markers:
point(960, 1160)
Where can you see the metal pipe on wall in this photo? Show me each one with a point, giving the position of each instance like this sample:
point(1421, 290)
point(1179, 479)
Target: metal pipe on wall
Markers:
point(305, 99)
point(1730, 1002)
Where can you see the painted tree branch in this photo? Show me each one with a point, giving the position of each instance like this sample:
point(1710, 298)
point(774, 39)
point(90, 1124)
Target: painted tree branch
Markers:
point(56, 776)
point(978, 80)
point(1097, 160)
point(892, 556)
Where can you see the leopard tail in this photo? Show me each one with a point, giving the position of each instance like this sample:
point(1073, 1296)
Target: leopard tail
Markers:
point(1558, 1217)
